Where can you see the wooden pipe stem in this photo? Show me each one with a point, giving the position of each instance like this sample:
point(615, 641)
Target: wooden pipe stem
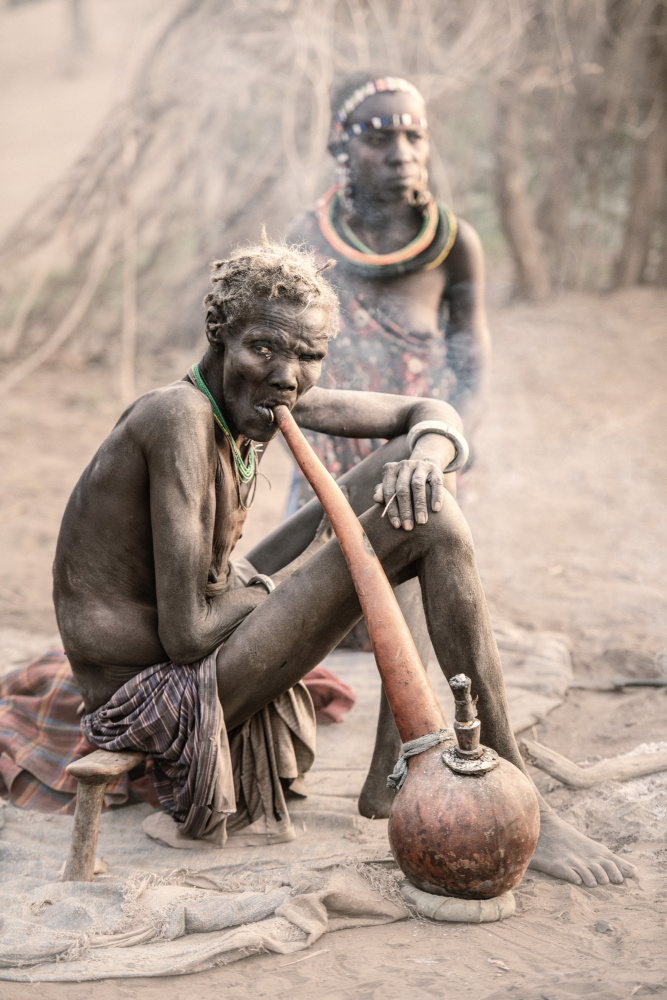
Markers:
point(408, 689)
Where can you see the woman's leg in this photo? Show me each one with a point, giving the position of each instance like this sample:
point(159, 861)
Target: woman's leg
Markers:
point(286, 542)
point(298, 624)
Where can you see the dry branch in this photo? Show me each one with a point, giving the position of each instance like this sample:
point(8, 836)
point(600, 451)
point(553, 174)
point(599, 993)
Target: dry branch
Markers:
point(229, 109)
point(612, 769)
point(66, 328)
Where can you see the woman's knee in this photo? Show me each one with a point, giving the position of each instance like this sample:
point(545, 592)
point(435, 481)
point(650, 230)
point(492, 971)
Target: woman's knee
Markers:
point(448, 527)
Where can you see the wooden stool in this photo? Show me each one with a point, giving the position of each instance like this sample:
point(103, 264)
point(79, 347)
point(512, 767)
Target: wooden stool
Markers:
point(93, 773)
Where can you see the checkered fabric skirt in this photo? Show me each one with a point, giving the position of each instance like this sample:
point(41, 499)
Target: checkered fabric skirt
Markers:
point(40, 733)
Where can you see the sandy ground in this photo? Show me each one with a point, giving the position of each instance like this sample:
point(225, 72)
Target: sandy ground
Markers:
point(568, 512)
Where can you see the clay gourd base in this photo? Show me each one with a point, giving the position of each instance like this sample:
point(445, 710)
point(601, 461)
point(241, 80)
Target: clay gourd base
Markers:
point(463, 835)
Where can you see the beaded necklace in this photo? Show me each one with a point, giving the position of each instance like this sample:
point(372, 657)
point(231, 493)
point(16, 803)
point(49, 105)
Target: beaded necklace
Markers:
point(245, 470)
point(426, 251)
point(327, 213)
point(354, 240)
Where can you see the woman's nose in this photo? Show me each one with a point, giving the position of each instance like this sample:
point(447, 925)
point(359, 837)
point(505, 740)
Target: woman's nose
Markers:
point(400, 150)
point(284, 377)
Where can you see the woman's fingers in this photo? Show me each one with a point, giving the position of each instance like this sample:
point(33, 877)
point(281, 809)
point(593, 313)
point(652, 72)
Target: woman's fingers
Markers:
point(403, 492)
point(419, 502)
point(437, 482)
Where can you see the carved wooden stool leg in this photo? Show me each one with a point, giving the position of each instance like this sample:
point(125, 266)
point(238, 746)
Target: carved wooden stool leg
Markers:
point(80, 863)
point(93, 773)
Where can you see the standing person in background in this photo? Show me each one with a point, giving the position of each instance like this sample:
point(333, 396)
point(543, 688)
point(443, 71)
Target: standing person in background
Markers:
point(410, 280)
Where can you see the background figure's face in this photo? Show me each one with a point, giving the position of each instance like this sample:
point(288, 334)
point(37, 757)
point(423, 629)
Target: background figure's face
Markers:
point(388, 165)
point(273, 356)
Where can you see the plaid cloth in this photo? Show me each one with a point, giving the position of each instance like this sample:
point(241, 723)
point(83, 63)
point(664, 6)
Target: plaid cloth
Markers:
point(40, 734)
point(201, 775)
point(173, 713)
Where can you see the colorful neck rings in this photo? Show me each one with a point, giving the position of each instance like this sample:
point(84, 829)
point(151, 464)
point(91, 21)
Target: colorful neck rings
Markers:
point(426, 251)
point(245, 470)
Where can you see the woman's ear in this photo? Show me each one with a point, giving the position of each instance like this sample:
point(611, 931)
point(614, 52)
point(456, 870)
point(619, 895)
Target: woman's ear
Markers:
point(215, 324)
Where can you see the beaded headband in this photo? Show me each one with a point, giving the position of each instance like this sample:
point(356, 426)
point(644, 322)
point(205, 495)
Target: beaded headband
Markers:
point(356, 128)
point(388, 84)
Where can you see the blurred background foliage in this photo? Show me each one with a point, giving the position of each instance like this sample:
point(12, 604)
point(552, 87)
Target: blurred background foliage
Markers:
point(549, 128)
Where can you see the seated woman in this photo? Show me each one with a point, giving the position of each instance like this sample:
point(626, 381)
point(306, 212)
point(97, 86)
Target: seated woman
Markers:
point(198, 661)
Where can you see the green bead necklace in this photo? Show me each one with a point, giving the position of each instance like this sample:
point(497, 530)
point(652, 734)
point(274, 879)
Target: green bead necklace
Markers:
point(245, 470)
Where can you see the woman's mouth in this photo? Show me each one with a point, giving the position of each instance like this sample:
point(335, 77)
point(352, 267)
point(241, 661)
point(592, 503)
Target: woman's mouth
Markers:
point(266, 412)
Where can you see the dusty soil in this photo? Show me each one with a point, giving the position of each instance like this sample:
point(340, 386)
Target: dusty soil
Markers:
point(568, 512)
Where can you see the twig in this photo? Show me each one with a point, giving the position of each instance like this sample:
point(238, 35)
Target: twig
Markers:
point(618, 683)
point(305, 958)
point(612, 769)
point(128, 336)
point(389, 503)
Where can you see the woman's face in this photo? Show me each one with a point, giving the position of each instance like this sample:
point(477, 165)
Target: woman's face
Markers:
point(389, 164)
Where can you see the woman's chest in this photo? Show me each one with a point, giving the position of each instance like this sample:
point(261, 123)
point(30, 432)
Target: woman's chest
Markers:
point(411, 302)
point(229, 515)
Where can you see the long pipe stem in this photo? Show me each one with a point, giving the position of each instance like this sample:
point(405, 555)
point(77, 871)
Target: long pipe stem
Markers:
point(408, 689)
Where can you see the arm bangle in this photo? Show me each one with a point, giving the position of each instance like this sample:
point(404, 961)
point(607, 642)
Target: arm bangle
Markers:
point(263, 580)
point(436, 427)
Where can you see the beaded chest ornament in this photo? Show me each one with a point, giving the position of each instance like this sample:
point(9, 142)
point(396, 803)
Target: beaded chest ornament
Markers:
point(245, 470)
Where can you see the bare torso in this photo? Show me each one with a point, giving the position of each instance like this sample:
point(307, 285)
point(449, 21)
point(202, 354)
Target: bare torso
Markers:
point(104, 570)
point(412, 301)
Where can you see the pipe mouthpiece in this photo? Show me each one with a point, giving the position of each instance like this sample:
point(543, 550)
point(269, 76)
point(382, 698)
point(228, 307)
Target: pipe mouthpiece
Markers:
point(466, 725)
point(460, 683)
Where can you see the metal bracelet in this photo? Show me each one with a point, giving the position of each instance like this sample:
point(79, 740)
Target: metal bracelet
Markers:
point(437, 427)
point(263, 580)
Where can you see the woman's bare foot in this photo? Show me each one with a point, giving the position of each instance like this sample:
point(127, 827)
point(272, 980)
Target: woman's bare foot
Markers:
point(572, 856)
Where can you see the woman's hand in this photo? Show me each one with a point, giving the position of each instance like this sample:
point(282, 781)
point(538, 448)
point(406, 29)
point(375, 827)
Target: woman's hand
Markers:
point(402, 491)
